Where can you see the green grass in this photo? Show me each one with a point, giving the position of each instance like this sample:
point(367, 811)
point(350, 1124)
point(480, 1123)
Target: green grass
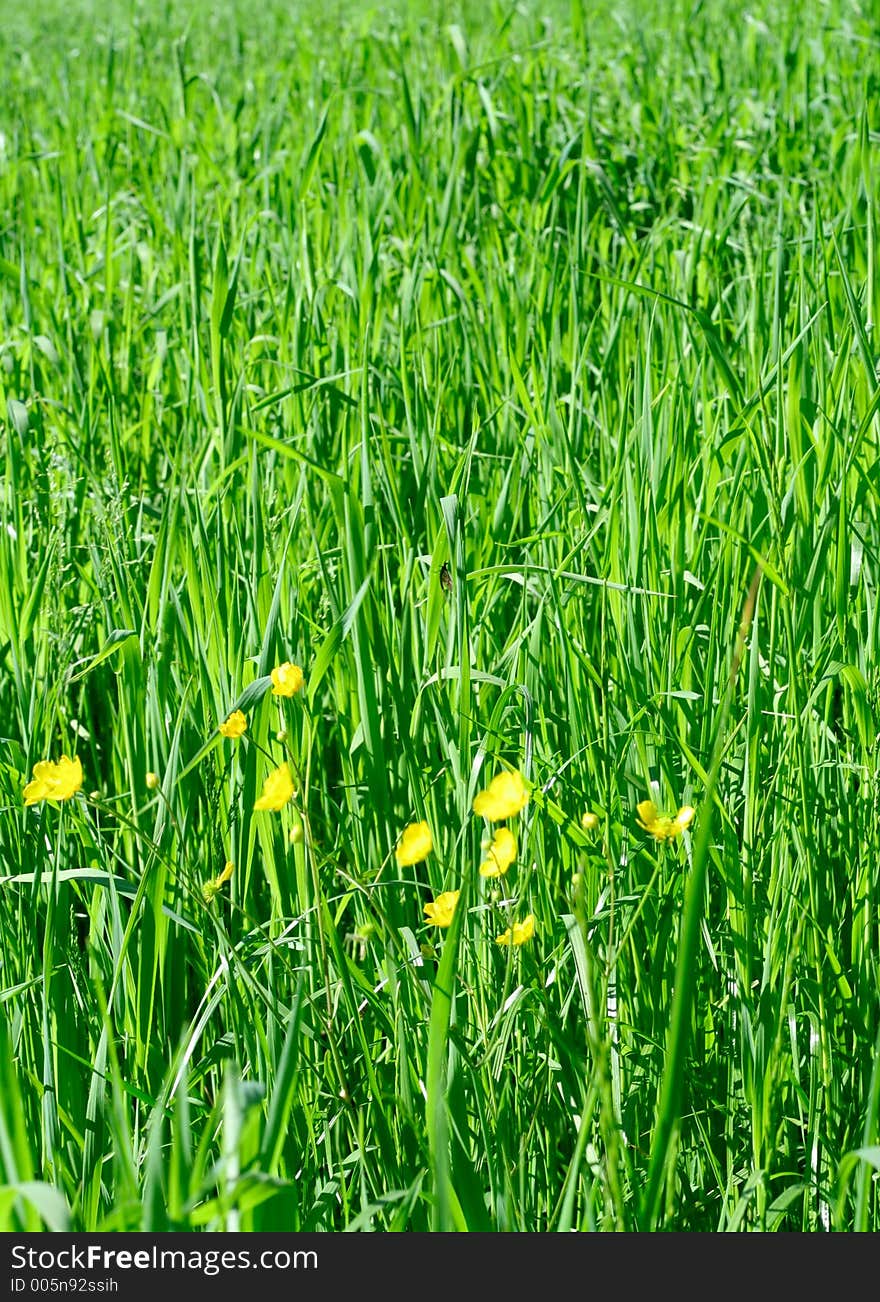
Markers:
point(293, 311)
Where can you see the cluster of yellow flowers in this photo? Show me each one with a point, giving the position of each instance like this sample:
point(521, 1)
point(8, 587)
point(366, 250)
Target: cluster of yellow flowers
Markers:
point(505, 796)
point(60, 781)
point(278, 788)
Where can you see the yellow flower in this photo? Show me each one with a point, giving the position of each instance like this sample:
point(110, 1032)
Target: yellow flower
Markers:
point(152, 781)
point(500, 854)
point(589, 821)
point(440, 911)
point(522, 931)
point(54, 781)
point(505, 796)
point(40, 788)
point(211, 887)
point(277, 789)
point(416, 844)
point(235, 725)
point(287, 679)
point(664, 827)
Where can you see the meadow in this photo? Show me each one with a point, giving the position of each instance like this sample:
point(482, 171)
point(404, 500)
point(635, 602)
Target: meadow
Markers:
point(510, 371)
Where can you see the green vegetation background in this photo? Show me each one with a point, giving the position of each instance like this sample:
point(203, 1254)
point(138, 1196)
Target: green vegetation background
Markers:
point(297, 303)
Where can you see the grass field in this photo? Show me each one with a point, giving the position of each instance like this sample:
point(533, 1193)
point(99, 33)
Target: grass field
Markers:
point(513, 371)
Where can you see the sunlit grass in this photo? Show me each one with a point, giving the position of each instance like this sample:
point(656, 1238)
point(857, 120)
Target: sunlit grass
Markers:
point(511, 372)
